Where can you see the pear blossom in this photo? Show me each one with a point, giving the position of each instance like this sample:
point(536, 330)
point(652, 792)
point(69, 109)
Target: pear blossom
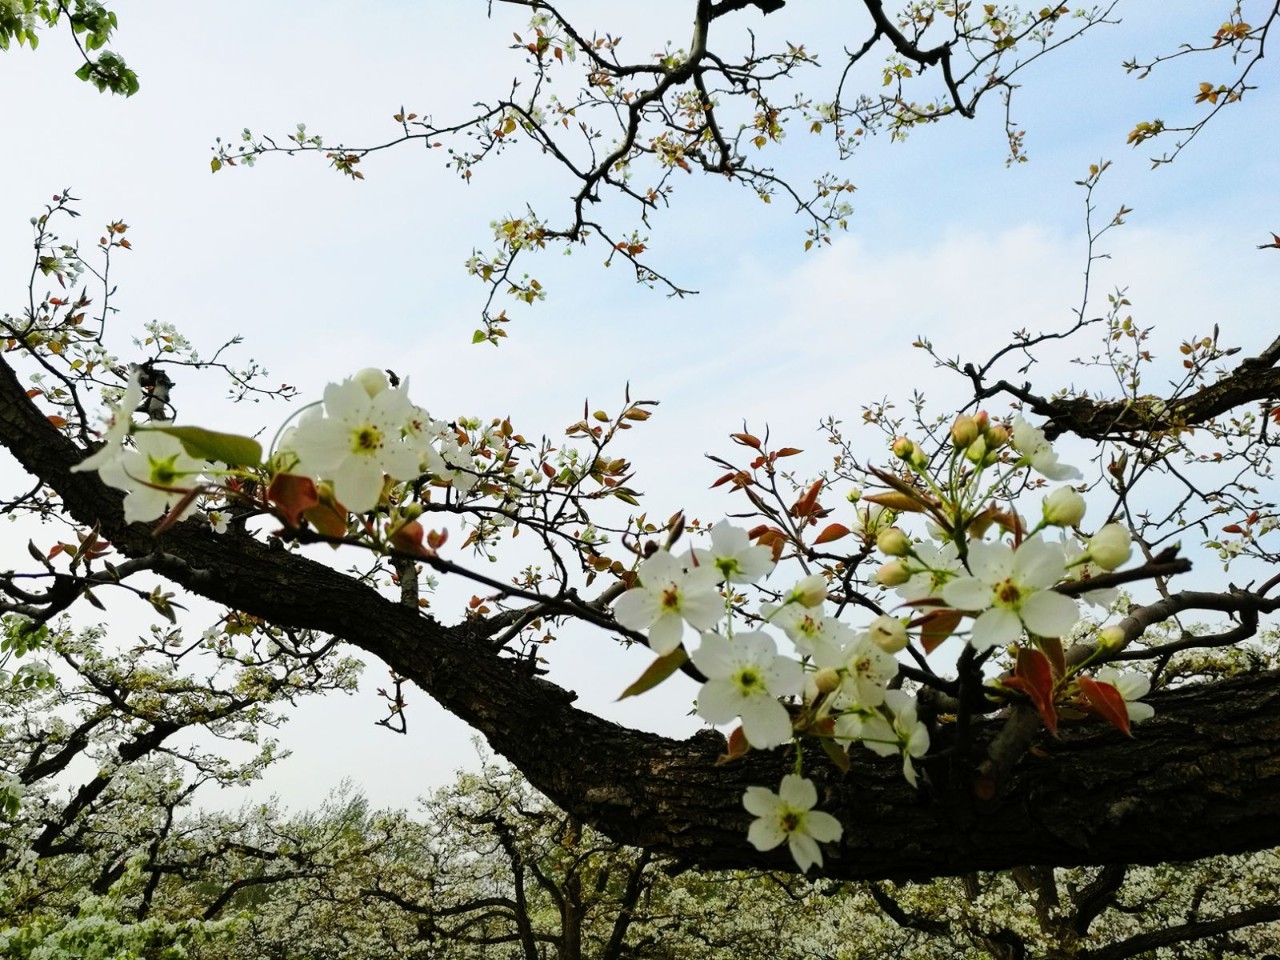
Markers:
point(119, 424)
point(814, 633)
point(1111, 546)
point(668, 597)
point(931, 567)
point(906, 734)
point(1133, 687)
point(734, 555)
point(1008, 588)
point(867, 672)
point(1031, 443)
point(357, 440)
point(155, 473)
point(789, 815)
point(745, 677)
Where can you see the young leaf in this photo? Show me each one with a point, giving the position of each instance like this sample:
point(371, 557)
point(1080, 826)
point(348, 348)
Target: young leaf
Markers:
point(1106, 702)
point(229, 448)
point(1034, 677)
point(657, 671)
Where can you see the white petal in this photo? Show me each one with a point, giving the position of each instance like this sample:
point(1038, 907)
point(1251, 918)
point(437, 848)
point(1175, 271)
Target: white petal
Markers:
point(997, 627)
point(665, 634)
point(1038, 563)
point(1049, 614)
point(797, 792)
point(719, 702)
point(714, 656)
point(765, 833)
point(761, 802)
point(703, 609)
point(968, 593)
point(992, 562)
point(765, 721)
point(805, 850)
point(636, 609)
point(823, 827)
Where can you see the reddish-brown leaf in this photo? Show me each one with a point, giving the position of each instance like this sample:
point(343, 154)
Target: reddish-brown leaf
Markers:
point(1106, 702)
point(1033, 676)
point(832, 532)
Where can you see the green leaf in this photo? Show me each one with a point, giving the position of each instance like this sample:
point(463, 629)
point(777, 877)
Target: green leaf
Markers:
point(658, 671)
point(229, 448)
point(479, 337)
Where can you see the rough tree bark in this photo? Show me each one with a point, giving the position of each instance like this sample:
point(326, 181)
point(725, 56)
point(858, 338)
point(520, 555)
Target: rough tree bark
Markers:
point(1202, 778)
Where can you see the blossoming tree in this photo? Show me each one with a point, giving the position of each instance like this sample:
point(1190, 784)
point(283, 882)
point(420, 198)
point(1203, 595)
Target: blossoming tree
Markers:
point(920, 662)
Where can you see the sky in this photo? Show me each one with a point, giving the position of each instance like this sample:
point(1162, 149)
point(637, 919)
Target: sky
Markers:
point(323, 275)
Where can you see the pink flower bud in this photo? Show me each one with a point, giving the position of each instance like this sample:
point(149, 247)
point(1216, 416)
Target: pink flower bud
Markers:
point(964, 431)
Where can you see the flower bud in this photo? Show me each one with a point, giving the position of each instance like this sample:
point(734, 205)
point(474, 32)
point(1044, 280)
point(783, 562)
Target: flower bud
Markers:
point(810, 591)
point(854, 495)
point(903, 448)
point(982, 419)
point(373, 380)
point(888, 633)
point(826, 680)
point(1111, 639)
point(964, 431)
point(1110, 546)
point(1064, 508)
point(976, 451)
point(893, 542)
point(997, 436)
point(894, 573)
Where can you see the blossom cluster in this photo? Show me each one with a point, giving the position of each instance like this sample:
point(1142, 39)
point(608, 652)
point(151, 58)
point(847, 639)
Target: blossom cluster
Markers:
point(845, 685)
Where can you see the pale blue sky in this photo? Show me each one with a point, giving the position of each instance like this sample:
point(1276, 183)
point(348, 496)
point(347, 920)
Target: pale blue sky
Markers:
point(324, 276)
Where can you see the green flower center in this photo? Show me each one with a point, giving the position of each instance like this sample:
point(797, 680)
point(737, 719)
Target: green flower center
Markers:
point(748, 680)
point(366, 439)
point(790, 821)
point(671, 599)
point(164, 473)
point(1008, 594)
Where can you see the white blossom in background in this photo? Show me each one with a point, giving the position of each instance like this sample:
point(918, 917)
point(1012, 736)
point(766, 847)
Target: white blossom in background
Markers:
point(1008, 587)
point(867, 672)
point(814, 633)
point(932, 566)
point(669, 596)
point(1031, 443)
point(745, 678)
point(789, 815)
point(732, 553)
point(1133, 687)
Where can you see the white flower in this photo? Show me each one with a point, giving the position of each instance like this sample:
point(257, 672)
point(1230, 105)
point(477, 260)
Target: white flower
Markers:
point(867, 672)
point(156, 473)
point(217, 520)
point(789, 815)
point(1064, 508)
point(745, 677)
point(118, 426)
point(1031, 443)
point(1008, 587)
point(906, 734)
point(734, 555)
point(814, 634)
point(667, 598)
point(1133, 687)
point(357, 441)
point(1110, 547)
point(930, 569)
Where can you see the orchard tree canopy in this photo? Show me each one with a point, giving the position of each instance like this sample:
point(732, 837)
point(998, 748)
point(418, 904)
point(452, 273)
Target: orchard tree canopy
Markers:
point(995, 661)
